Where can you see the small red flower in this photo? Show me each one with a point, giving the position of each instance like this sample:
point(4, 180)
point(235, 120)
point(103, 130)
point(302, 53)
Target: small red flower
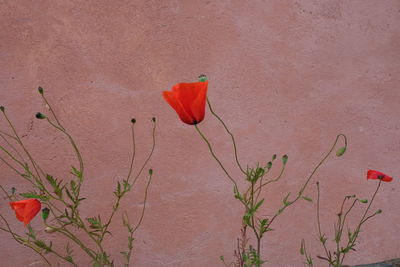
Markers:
point(188, 100)
point(26, 210)
point(375, 175)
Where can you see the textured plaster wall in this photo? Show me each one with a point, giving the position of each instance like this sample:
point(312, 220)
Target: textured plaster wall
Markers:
point(286, 76)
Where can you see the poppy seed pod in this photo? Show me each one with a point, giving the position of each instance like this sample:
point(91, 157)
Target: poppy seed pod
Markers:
point(269, 165)
point(40, 89)
point(133, 121)
point(40, 116)
point(284, 159)
point(341, 151)
point(2, 108)
point(45, 213)
point(151, 171)
point(202, 78)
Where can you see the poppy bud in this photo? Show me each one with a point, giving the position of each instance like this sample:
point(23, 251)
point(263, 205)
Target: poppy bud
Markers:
point(340, 151)
point(40, 116)
point(273, 156)
point(2, 108)
point(49, 230)
point(133, 121)
point(13, 190)
point(153, 119)
point(269, 165)
point(284, 159)
point(202, 78)
point(378, 211)
point(45, 213)
point(363, 200)
point(151, 171)
point(40, 89)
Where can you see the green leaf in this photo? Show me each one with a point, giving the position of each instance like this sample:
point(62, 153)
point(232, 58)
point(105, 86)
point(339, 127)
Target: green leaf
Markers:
point(258, 205)
point(77, 173)
point(285, 200)
point(35, 195)
point(307, 198)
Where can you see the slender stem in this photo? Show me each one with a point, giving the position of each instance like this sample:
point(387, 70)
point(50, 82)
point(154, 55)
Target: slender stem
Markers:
point(78, 154)
point(71, 236)
point(23, 147)
point(308, 179)
point(229, 132)
point(149, 156)
point(321, 237)
point(11, 156)
point(253, 226)
point(116, 205)
point(140, 219)
point(362, 221)
point(10, 145)
point(260, 185)
point(5, 192)
point(19, 240)
point(6, 134)
point(214, 156)
point(273, 180)
point(144, 203)
point(52, 111)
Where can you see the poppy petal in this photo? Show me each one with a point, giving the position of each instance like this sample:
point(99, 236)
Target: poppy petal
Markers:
point(199, 105)
point(374, 175)
point(26, 210)
point(31, 209)
point(187, 93)
point(170, 97)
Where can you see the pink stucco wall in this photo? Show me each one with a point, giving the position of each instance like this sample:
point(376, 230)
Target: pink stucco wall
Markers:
point(286, 76)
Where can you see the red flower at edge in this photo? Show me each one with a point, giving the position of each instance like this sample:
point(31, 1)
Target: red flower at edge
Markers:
point(375, 175)
point(26, 210)
point(188, 100)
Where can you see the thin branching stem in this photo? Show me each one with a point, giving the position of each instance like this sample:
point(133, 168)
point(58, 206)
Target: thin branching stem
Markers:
point(300, 194)
point(35, 166)
point(149, 156)
point(19, 239)
point(214, 156)
point(321, 237)
point(230, 133)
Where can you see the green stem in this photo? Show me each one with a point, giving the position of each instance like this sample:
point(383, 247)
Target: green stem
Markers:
point(149, 156)
point(23, 147)
point(230, 133)
point(116, 205)
point(309, 178)
point(140, 219)
point(214, 156)
point(321, 237)
point(362, 221)
point(19, 239)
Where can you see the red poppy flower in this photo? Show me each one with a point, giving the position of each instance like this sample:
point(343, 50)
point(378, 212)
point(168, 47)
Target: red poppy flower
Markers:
point(188, 100)
point(375, 175)
point(26, 210)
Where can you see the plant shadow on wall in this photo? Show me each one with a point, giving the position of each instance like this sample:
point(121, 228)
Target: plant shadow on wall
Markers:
point(60, 200)
point(189, 101)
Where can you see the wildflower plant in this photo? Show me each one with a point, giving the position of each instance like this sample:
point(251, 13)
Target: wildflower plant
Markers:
point(189, 100)
point(344, 240)
point(62, 199)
